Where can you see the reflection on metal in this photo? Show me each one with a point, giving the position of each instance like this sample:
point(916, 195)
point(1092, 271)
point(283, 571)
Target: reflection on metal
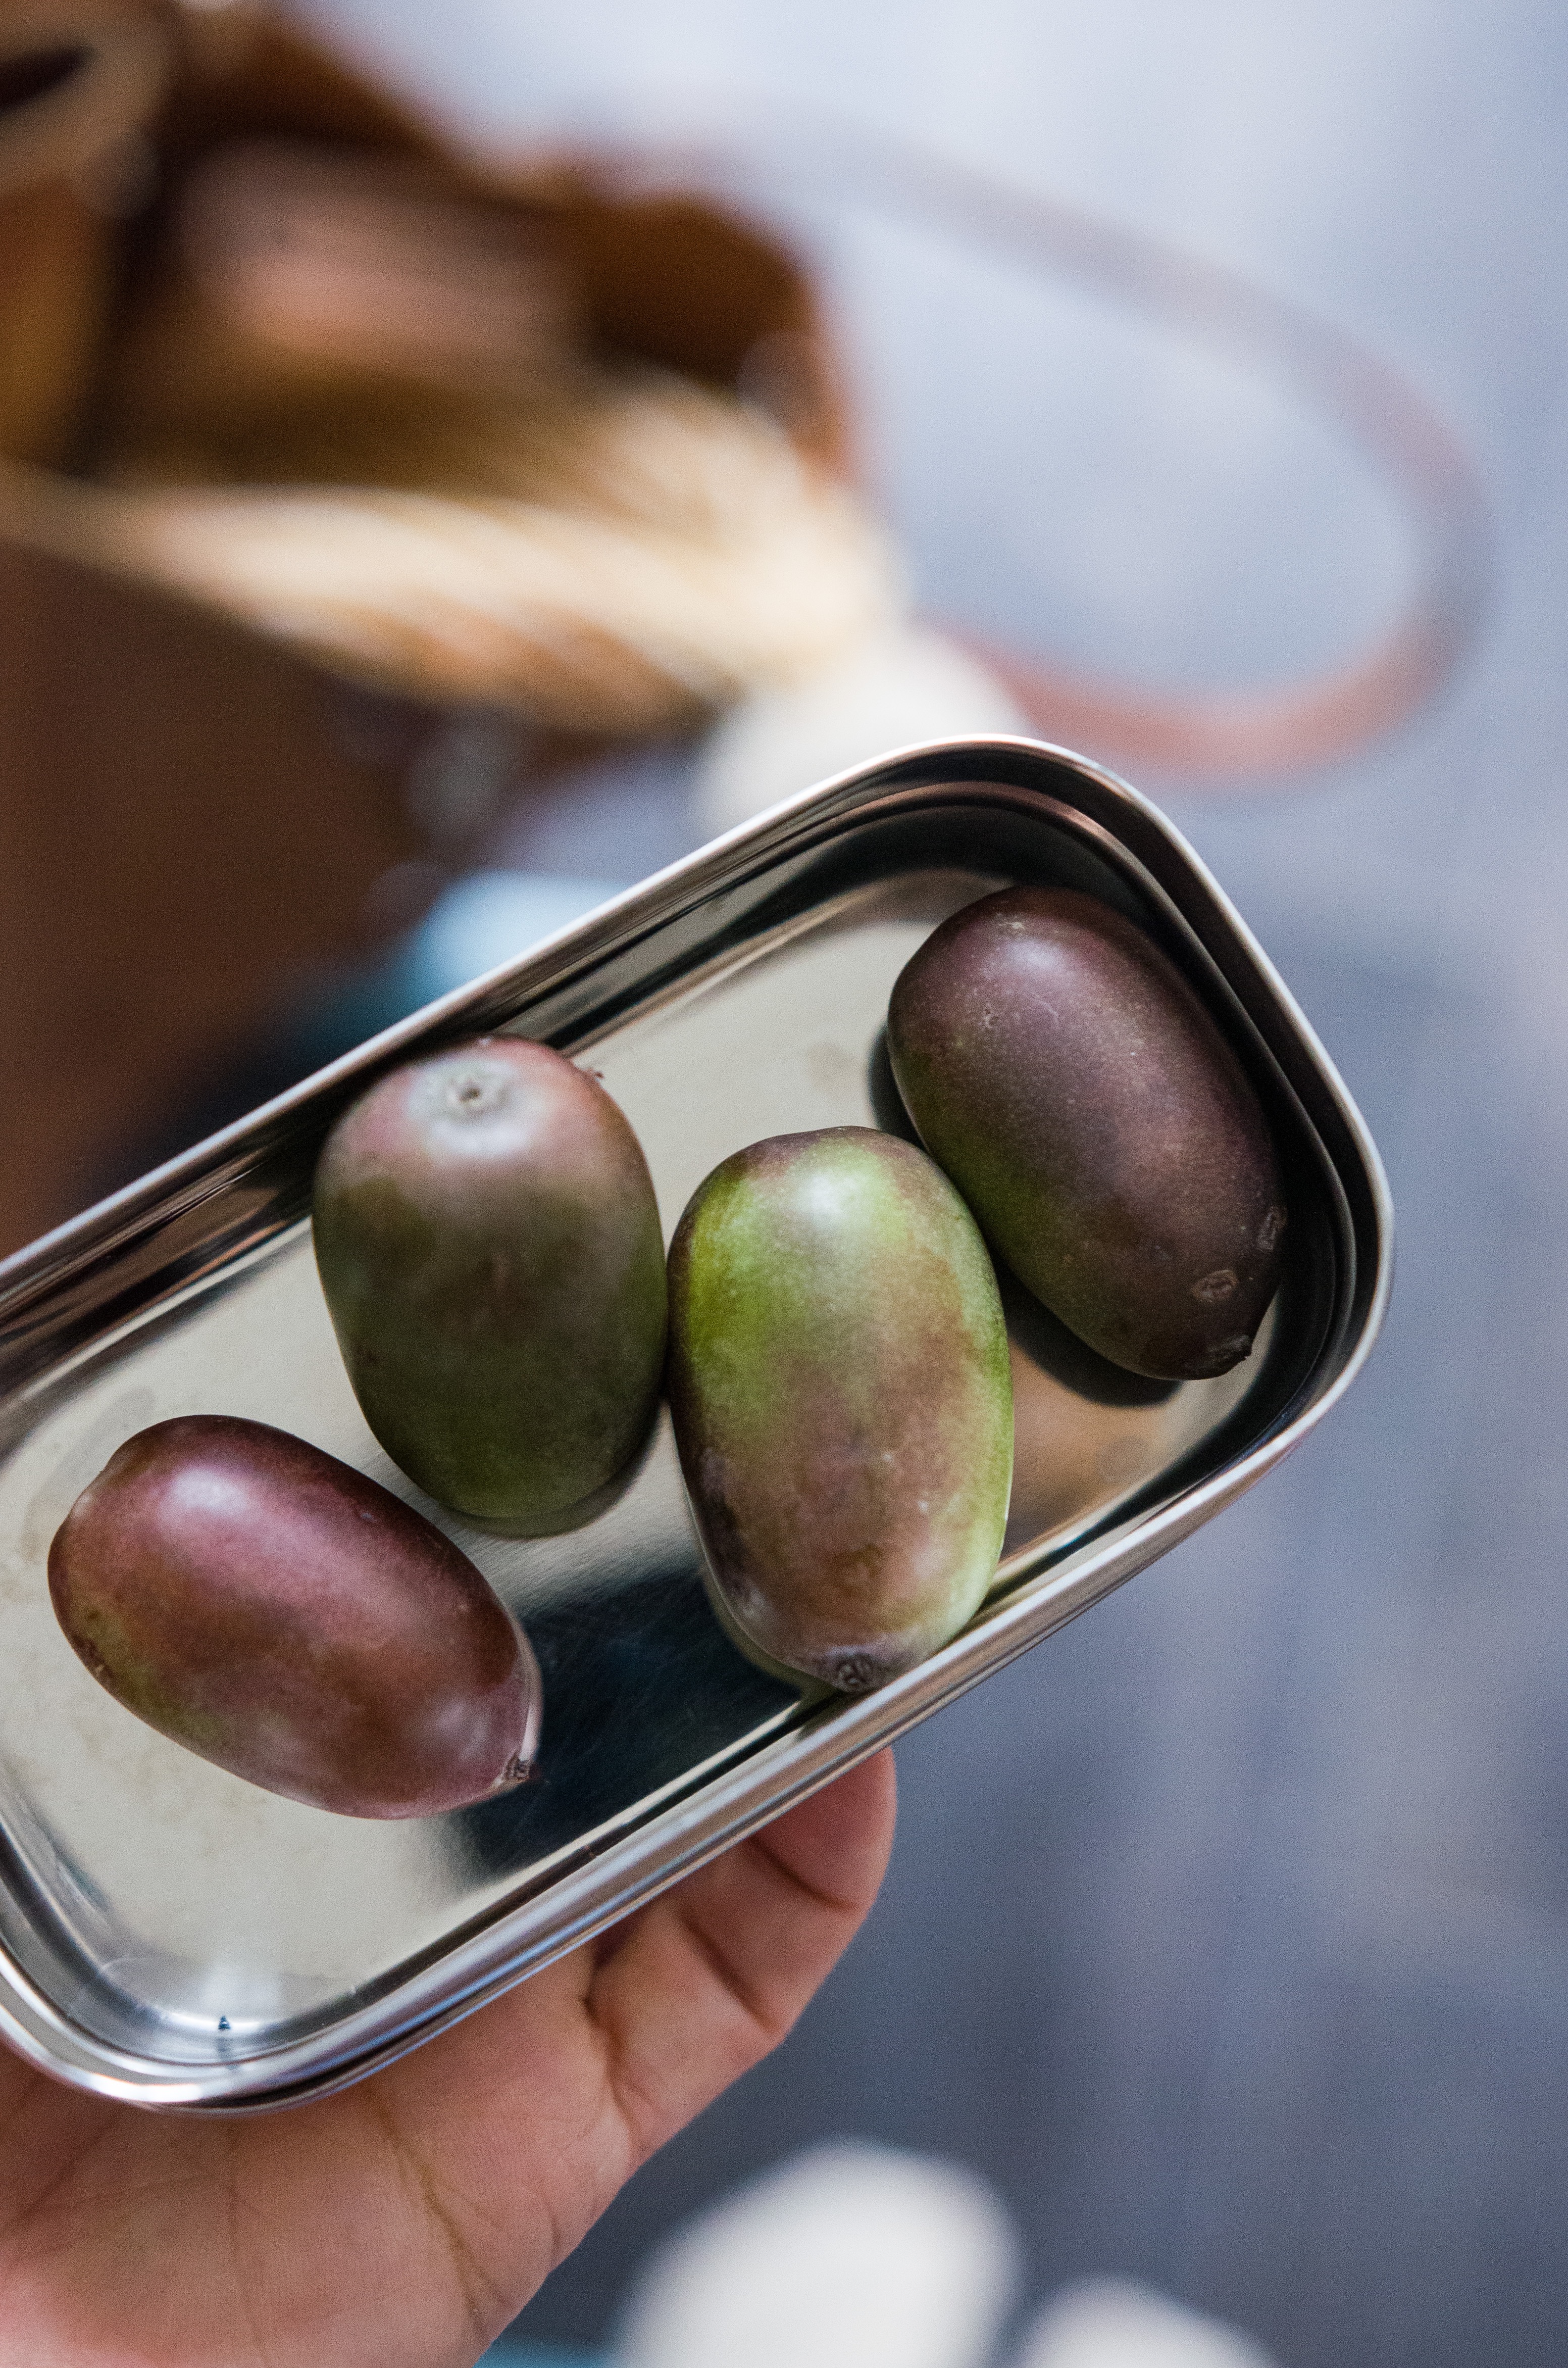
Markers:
point(171, 1934)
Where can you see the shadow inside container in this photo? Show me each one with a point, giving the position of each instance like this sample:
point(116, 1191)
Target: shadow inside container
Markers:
point(640, 1687)
point(1047, 1343)
point(887, 1103)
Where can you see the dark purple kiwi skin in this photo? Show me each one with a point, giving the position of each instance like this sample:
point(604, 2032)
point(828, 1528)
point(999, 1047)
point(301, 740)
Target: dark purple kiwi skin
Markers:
point(489, 1246)
point(839, 1384)
point(1063, 1073)
point(286, 1618)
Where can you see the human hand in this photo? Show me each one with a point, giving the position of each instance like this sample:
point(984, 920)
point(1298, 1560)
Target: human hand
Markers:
point(404, 2223)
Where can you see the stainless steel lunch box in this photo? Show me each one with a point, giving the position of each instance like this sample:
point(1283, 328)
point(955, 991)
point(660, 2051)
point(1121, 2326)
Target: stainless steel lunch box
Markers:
point(171, 1935)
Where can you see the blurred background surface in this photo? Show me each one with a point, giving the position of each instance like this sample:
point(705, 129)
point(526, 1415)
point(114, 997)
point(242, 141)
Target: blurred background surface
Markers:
point(1226, 1936)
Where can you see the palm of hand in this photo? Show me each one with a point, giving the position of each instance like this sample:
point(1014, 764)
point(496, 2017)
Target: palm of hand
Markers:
point(404, 2222)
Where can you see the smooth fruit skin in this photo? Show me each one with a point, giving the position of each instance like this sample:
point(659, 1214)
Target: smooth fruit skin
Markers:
point(838, 1378)
point(1067, 1078)
point(288, 1619)
point(489, 1244)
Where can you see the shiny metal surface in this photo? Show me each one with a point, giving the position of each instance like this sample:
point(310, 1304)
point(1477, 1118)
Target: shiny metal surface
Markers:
point(171, 1935)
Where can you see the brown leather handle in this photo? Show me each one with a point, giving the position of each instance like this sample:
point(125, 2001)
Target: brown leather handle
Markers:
point(1226, 738)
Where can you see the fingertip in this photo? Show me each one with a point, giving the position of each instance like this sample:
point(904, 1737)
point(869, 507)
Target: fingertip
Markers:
point(837, 1843)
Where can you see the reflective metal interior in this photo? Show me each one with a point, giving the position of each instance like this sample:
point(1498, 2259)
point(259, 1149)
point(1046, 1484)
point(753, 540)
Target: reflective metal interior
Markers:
point(173, 1933)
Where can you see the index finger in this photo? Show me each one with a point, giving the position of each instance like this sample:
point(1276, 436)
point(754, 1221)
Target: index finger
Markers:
point(709, 1979)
